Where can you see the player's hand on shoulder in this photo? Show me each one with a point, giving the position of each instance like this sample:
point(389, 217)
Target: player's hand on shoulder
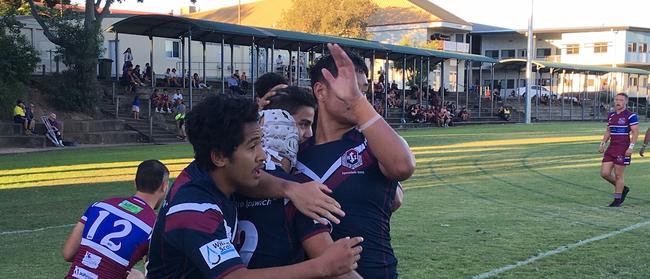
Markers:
point(310, 199)
point(341, 257)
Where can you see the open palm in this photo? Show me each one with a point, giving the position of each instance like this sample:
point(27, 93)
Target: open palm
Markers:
point(344, 86)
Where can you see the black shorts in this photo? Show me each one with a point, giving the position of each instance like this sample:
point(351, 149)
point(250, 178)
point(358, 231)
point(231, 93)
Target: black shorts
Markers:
point(19, 119)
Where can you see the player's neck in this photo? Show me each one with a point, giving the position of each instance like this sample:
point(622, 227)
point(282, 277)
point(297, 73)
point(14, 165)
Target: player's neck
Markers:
point(223, 183)
point(328, 129)
point(150, 199)
point(621, 110)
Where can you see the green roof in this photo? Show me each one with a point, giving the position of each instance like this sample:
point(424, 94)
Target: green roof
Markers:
point(577, 67)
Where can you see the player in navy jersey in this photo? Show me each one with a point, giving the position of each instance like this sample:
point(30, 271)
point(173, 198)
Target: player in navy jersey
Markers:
point(196, 228)
point(621, 125)
point(113, 234)
point(358, 155)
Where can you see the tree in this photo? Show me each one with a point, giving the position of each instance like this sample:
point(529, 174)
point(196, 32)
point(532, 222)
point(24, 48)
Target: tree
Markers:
point(345, 18)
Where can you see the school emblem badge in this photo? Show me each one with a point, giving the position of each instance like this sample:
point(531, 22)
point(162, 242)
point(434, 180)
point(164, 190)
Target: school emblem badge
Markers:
point(351, 159)
point(621, 121)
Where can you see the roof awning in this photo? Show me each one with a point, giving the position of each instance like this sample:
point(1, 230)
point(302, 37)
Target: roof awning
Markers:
point(166, 26)
point(517, 64)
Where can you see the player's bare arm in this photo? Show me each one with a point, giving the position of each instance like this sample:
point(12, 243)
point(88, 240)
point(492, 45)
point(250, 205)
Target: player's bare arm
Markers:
point(309, 198)
point(317, 245)
point(399, 198)
point(646, 139)
point(604, 141)
point(395, 158)
point(73, 242)
point(634, 130)
point(339, 258)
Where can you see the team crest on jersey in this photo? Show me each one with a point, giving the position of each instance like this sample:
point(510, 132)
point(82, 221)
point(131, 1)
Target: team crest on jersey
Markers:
point(621, 121)
point(351, 159)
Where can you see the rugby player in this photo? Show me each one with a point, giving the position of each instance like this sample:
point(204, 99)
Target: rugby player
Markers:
point(621, 124)
point(358, 155)
point(196, 228)
point(113, 234)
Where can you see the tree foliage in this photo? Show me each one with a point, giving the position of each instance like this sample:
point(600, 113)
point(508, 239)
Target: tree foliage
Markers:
point(346, 18)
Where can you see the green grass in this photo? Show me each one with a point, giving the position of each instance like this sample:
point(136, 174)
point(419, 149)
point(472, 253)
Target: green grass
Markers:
point(482, 197)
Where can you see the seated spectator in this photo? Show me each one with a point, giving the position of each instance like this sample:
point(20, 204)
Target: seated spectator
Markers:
point(168, 77)
point(20, 117)
point(135, 107)
point(155, 100)
point(464, 114)
point(135, 76)
point(174, 79)
point(56, 128)
point(165, 103)
point(148, 72)
point(504, 113)
point(393, 86)
point(233, 84)
point(444, 117)
point(137, 72)
point(195, 81)
point(177, 96)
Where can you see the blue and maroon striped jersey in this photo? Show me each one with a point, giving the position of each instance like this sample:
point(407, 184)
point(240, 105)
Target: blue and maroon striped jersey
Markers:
point(115, 237)
point(620, 126)
point(349, 168)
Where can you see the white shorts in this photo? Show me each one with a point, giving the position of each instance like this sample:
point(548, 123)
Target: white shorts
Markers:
point(135, 109)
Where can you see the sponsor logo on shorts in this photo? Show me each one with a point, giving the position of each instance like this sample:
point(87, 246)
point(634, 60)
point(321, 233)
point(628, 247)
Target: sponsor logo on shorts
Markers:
point(83, 274)
point(217, 252)
point(91, 260)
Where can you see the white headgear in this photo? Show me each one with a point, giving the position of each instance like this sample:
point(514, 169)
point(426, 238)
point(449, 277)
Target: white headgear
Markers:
point(279, 136)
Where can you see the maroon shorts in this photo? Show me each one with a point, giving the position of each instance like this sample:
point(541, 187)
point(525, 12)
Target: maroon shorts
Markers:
point(616, 154)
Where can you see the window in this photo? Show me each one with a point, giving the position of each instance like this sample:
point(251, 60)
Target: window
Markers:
point(492, 54)
point(633, 81)
point(510, 83)
point(460, 38)
point(573, 49)
point(543, 52)
point(172, 49)
point(507, 53)
point(600, 47)
point(523, 53)
point(643, 47)
point(631, 47)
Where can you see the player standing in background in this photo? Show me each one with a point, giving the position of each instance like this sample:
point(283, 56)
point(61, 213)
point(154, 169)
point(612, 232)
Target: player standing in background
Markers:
point(621, 124)
point(113, 234)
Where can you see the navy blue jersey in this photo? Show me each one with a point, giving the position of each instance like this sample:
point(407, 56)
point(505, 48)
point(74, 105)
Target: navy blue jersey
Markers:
point(194, 234)
point(349, 168)
point(271, 231)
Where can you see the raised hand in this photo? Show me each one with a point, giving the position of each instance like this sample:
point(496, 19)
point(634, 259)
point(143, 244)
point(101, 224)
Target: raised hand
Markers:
point(344, 86)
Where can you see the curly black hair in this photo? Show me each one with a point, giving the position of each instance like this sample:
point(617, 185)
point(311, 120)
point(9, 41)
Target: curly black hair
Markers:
point(291, 99)
point(265, 82)
point(327, 62)
point(217, 124)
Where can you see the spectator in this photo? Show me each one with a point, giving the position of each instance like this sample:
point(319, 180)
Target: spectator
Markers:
point(168, 77)
point(177, 96)
point(148, 72)
point(56, 128)
point(29, 114)
point(174, 78)
point(236, 75)
point(279, 63)
point(393, 86)
point(166, 104)
point(233, 84)
point(128, 59)
point(135, 107)
point(464, 114)
point(180, 119)
point(244, 82)
point(20, 117)
point(195, 80)
point(135, 76)
point(156, 100)
point(504, 113)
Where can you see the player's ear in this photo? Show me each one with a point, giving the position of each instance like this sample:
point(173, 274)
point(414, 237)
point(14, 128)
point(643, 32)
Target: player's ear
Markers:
point(320, 91)
point(218, 159)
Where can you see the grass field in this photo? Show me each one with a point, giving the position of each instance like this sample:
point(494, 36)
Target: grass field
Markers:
point(482, 198)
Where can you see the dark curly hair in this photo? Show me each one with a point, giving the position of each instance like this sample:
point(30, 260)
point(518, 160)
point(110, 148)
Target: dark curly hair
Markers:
point(217, 124)
point(291, 99)
point(267, 81)
point(327, 62)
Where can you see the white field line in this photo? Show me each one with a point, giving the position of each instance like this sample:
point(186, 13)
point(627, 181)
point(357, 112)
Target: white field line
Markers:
point(559, 250)
point(36, 230)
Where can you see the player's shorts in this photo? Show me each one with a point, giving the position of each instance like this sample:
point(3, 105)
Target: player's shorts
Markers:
point(617, 155)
